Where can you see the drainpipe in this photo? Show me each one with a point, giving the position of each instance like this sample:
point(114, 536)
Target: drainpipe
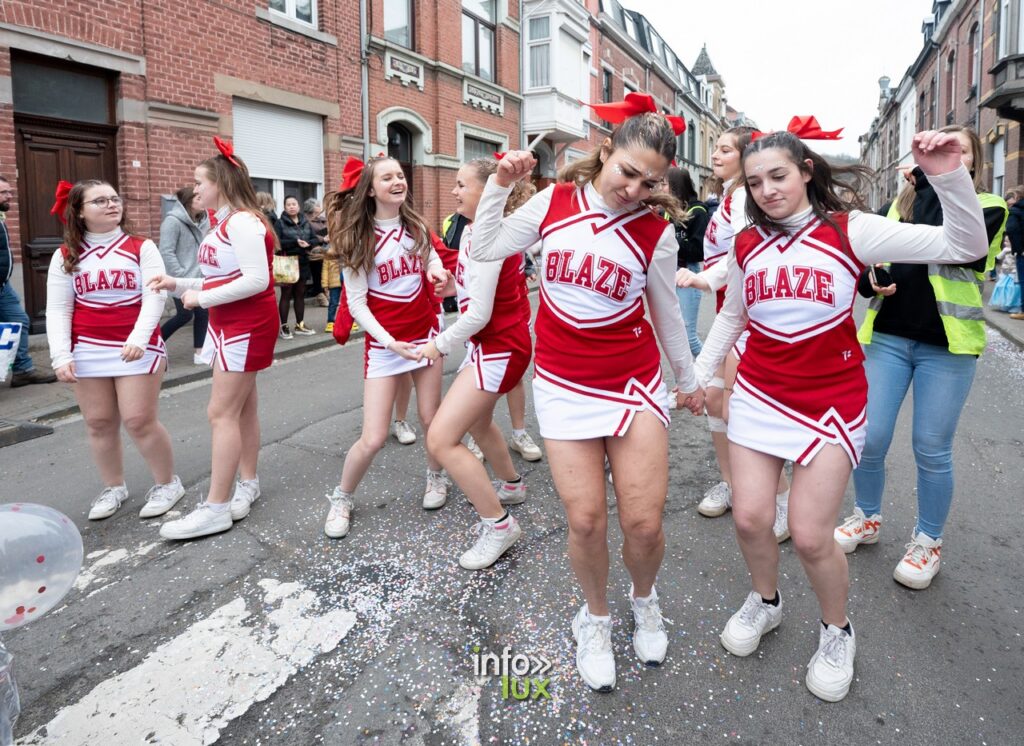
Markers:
point(522, 86)
point(364, 73)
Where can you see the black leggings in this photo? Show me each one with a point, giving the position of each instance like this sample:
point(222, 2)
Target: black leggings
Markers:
point(182, 317)
point(295, 292)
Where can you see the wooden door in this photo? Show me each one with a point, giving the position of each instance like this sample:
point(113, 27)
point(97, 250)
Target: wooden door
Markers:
point(50, 150)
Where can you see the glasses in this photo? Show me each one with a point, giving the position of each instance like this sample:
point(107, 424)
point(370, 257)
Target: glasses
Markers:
point(104, 202)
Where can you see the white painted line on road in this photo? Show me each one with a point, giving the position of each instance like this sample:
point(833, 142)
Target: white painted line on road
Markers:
point(189, 689)
point(106, 558)
point(462, 714)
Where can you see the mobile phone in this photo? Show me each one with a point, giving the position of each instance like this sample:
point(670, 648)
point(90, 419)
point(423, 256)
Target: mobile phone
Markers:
point(880, 276)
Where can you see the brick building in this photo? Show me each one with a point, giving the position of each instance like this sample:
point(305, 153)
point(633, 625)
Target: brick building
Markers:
point(966, 73)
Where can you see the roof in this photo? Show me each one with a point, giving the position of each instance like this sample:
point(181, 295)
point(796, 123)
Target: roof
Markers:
point(703, 64)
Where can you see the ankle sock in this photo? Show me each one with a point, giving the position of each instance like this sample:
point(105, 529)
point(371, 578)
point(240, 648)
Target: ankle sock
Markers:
point(518, 433)
point(773, 601)
point(848, 628)
point(218, 507)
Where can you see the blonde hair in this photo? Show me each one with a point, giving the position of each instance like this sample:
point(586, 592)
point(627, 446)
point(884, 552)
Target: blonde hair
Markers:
point(521, 192)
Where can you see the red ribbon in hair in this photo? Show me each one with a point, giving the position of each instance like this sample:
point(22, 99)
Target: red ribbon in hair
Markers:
point(350, 173)
point(227, 150)
point(60, 200)
point(806, 128)
point(632, 105)
point(498, 156)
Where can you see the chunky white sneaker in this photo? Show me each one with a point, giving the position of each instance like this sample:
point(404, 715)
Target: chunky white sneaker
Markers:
point(304, 330)
point(525, 447)
point(716, 500)
point(246, 493)
point(857, 529)
point(197, 359)
point(403, 432)
point(202, 521)
point(162, 497)
point(781, 527)
point(491, 542)
point(474, 448)
point(830, 672)
point(436, 493)
point(107, 502)
point(594, 657)
point(340, 516)
point(510, 493)
point(921, 562)
point(650, 642)
point(743, 631)
point(285, 333)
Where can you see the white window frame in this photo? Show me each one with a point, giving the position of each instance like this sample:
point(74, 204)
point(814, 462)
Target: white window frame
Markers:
point(532, 42)
point(464, 130)
point(290, 14)
point(410, 21)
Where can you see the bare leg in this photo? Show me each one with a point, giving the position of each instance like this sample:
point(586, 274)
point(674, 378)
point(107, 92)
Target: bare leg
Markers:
point(138, 400)
point(428, 398)
point(715, 406)
point(402, 395)
point(249, 422)
point(97, 398)
point(227, 400)
point(378, 398)
point(516, 400)
point(753, 513)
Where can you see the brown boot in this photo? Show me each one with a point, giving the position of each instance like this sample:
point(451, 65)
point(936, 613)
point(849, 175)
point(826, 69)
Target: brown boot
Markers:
point(1018, 316)
point(28, 377)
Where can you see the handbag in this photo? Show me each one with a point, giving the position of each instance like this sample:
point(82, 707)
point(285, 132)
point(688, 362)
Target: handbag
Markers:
point(342, 319)
point(1006, 295)
point(286, 269)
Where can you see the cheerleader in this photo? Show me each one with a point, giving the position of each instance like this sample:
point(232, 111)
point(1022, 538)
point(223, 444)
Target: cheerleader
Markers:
point(800, 391)
point(725, 223)
point(101, 325)
point(496, 335)
point(237, 287)
point(389, 265)
point(598, 387)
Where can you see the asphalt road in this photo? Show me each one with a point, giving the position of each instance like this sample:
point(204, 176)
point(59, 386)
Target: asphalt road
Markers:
point(274, 634)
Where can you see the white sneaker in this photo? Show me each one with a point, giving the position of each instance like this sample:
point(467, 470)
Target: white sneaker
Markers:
point(202, 521)
point(162, 497)
point(830, 671)
point(594, 657)
point(858, 529)
point(197, 359)
point(510, 493)
point(716, 500)
point(340, 516)
point(650, 642)
point(403, 432)
point(304, 330)
point(246, 493)
point(743, 631)
point(921, 562)
point(781, 527)
point(436, 493)
point(474, 448)
point(107, 502)
point(525, 447)
point(490, 544)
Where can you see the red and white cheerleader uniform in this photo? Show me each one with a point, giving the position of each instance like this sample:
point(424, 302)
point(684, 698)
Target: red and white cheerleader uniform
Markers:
point(394, 302)
point(728, 220)
point(597, 361)
point(238, 287)
point(492, 324)
point(92, 313)
point(800, 383)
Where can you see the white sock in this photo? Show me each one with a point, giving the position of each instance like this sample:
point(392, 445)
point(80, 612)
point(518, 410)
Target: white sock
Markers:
point(518, 433)
point(218, 507)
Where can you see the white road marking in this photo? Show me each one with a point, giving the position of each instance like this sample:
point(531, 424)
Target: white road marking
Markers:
point(462, 713)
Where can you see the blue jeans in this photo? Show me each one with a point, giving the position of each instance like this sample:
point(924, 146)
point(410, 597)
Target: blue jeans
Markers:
point(1020, 277)
point(941, 381)
point(689, 304)
point(333, 298)
point(11, 310)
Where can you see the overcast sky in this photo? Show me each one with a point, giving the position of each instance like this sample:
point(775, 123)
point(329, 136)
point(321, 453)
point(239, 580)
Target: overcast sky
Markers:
point(786, 57)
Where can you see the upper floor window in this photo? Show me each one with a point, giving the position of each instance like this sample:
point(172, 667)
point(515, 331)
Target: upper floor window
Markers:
point(540, 51)
point(303, 11)
point(398, 19)
point(950, 86)
point(974, 61)
point(630, 24)
point(1003, 28)
point(478, 21)
point(606, 85)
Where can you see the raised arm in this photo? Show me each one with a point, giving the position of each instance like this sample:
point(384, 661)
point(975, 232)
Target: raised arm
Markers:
point(496, 238)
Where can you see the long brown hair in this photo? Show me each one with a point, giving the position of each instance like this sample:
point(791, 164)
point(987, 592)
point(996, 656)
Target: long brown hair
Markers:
point(350, 226)
point(235, 186)
point(74, 228)
point(905, 200)
point(649, 131)
point(521, 192)
point(831, 188)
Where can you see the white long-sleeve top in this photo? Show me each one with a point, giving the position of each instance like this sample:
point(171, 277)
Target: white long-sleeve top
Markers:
point(357, 287)
point(60, 299)
point(247, 234)
point(496, 239)
point(959, 240)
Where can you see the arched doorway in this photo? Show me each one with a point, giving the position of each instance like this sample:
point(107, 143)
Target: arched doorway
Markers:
point(400, 148)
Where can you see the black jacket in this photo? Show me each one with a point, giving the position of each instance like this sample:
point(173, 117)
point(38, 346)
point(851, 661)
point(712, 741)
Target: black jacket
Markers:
point(6, 256)
point(289, 232)
point(911, 311)
point(1015, 228)
point(690, 236)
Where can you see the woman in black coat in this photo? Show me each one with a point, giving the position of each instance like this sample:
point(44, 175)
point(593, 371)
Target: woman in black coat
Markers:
point(297, 237)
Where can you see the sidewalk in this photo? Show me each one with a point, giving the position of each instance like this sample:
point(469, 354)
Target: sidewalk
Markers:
point(1012, 329)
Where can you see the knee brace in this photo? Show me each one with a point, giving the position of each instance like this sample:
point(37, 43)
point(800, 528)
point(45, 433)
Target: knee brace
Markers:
point(717, 383)
point(716, 424)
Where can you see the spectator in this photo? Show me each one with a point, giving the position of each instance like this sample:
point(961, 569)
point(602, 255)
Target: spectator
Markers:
point(24, 371)
point(690, 237)
point(181, 232)
point(267, 206)
point(1014, 232)
point(297, 238)
point(330, 278)
point(315, 215)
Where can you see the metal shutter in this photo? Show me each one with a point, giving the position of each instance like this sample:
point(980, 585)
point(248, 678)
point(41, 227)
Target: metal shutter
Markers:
point(279, 143)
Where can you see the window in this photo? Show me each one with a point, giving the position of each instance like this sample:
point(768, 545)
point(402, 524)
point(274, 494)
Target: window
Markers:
point(398, 18)
point(51, 89)
point(630, 24)
point(998, 165)
point(540, 52)
point(973, 62)
point(691, 136)
point(950, 86)
point(606, 85)
point(585, 75)
point(474, 147)
point(569, 81)
point(1004, 28)
point(478, 18)
point(303, 11)
point(922, 114)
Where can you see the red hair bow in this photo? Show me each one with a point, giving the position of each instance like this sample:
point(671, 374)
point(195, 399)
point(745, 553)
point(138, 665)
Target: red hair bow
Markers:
point(498, 156)
point(227, 150)
point(806, 128)
point(350, 173)
point(60, 200)
point(632, 105)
